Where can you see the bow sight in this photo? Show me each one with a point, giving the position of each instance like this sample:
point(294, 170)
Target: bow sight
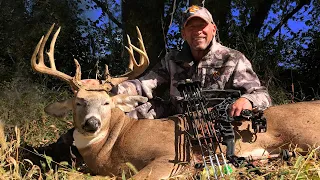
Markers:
point(209, 125)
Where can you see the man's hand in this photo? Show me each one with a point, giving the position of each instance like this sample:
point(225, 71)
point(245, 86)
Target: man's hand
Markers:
point(239, 105)
point(143, 111)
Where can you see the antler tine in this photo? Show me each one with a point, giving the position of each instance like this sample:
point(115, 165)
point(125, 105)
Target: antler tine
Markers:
point(77, 77)
point(106, 73)
point(51, 51)
point(132, 62)
point(135, 68)
point(142, 59)
point(42, 68)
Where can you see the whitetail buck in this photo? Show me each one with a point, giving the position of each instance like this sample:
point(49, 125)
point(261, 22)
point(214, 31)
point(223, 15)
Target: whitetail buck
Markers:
point(107, 138)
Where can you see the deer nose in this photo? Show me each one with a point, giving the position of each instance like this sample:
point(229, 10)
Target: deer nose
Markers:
point(92, 124)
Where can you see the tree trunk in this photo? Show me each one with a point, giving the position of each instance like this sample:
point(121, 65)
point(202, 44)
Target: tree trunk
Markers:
point(258, 16)
point(221, 12)
point(195, 2)
point(146, 15)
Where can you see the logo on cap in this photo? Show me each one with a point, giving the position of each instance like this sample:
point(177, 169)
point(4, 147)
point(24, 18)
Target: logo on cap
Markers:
point(196, 11)
point(193, 9)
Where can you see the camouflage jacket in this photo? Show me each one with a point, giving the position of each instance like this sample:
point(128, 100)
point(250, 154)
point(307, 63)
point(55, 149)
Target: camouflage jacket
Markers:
point(220, 68)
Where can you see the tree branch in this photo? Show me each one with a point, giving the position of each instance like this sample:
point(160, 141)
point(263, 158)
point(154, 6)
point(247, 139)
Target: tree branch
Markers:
point(168, 18)
point(258, 16)
point(287, 17)
point(105, 9)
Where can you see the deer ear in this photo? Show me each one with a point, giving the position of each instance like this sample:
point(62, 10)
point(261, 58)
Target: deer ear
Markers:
point(59, 109)
point(127, 103)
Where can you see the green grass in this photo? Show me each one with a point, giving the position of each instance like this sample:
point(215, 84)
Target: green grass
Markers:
point(12, 167)
point(23, 121)
point(21, 110)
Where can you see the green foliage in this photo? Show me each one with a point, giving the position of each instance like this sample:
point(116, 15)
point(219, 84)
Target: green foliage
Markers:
point(308, 73)
point(11, 167)
point(285, 59)
point(251, 27)
point(22, 104)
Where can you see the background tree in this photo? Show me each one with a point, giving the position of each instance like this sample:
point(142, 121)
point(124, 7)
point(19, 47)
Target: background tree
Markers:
point(22, 25)
point(94, 32)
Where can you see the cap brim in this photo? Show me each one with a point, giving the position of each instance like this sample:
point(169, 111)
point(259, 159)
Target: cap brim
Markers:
point(194, 16)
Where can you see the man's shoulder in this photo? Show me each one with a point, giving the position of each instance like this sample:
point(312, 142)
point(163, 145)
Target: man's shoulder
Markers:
point(178, 56)
point(171, 54)
point(227, 50)
point(229, 53)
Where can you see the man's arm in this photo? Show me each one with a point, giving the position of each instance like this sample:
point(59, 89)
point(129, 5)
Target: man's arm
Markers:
point(247, 80)
point(145, 85)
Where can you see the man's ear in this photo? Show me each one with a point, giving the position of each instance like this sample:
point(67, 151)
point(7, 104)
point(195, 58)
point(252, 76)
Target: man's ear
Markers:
point(59, 109)
point(127, 103)
point(214, 29)
point(183, 34)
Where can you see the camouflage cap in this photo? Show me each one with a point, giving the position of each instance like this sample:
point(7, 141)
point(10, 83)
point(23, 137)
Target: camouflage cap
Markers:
point(196, 11)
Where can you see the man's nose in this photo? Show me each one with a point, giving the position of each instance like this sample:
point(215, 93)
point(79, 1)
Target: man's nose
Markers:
point(197, 32)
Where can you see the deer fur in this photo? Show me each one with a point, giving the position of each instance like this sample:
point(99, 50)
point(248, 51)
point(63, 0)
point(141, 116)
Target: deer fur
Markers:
point(154, 147)
point(157, 147)
point(288, 124)
point(108, 139)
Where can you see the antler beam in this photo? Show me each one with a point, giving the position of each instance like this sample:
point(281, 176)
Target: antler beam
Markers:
point(135, 69)
point(40, 66)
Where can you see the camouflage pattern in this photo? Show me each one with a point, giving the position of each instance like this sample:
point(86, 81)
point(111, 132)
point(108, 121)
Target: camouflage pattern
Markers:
point(220, 68)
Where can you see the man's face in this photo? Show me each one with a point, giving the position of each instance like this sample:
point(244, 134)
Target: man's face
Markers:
point(198, 33)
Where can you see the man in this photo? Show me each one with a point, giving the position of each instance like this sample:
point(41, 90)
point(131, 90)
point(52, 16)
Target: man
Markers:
point(202, 57)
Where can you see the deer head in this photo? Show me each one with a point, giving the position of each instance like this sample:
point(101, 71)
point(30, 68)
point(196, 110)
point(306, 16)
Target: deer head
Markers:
point(92, 104)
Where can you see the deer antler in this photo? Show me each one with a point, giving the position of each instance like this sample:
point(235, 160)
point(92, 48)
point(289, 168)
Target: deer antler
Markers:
point(40, 66)
point(135, 68)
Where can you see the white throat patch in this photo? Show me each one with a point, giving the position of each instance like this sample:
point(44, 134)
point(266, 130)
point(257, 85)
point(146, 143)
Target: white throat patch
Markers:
point(81, 141)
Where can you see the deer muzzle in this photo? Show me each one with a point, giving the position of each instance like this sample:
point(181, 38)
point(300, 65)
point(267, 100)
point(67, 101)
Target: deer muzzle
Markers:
point(91, 125)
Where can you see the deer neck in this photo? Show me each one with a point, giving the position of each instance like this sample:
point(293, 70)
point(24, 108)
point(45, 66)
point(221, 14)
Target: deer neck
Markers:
point(97, 151)
point(106, 138)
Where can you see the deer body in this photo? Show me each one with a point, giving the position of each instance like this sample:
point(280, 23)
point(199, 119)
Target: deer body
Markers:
point(296, 123)
point(138, 143)
point(107, 138)
point(154, 147)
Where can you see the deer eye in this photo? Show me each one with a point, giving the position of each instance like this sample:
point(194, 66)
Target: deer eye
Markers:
point(106, 103)
point(78, 104)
